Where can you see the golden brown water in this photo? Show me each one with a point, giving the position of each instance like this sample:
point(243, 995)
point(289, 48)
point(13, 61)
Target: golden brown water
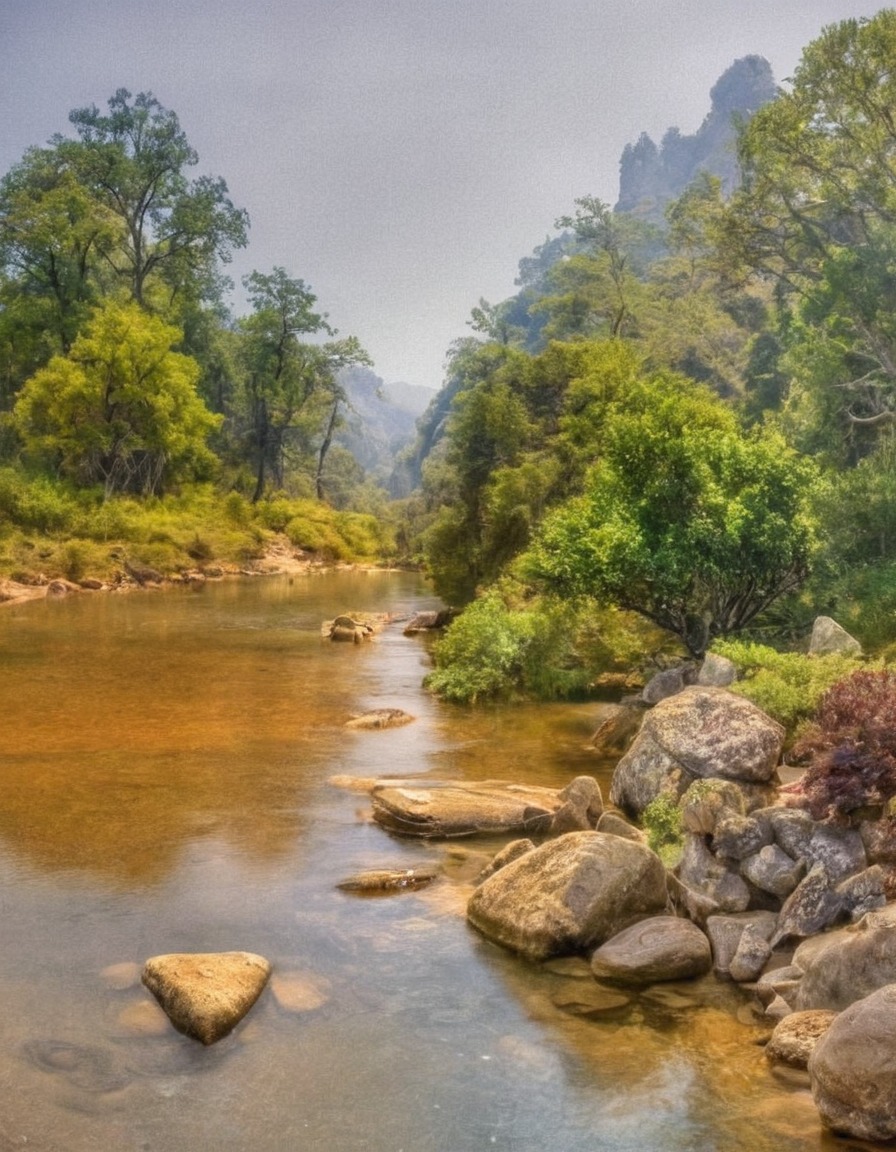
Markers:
point(164, 766)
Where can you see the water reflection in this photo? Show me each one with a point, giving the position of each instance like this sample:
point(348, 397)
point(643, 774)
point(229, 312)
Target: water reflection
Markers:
point(165, 761)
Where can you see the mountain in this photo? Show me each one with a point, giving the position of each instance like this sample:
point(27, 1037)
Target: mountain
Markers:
point(650, 176)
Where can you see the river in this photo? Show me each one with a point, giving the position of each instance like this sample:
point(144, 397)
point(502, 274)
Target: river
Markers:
point(165, 765)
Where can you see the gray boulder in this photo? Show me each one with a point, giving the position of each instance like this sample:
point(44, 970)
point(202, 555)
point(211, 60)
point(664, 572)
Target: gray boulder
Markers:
point(580, 808)
point(862, 892)
point(846, 964)
point(715, 877)
point(752, 955)
point(740, 836)
point(852, 1069)
point(699, 733)
point(569, 895)
point(668, 683)
point(726, 932)
point(716, 671)
point(839, 850)
point(706, 802)
point(205, 995)
point(828, 636)
point(772, 870)
point(615, 825)
point(657, 949)
point(812, 906)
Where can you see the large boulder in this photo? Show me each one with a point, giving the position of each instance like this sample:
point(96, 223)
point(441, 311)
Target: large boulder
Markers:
point(569, 895)
point(451, 809)
point(828, 636)
point(848, 963)
point(702, 732)
point(206, 994)
point(660, 948)
point(852, 1069)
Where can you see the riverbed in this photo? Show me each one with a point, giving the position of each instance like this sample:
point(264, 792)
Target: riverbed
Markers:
point(166, 761)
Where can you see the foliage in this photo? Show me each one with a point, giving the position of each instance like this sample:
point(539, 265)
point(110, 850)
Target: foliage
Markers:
point(685, 520)
point(817, 212)
point(511, 642)
point(785, 685)
point(662, 823)
point(852, 742)
point(121, 409)
point(132, 162)
point(482, 652)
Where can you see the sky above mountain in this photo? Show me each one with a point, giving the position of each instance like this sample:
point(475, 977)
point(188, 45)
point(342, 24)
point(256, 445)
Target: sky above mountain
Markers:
point(398, 155)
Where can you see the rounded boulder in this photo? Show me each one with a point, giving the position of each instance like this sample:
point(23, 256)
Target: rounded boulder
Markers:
point(660, 948)
point(569, 895)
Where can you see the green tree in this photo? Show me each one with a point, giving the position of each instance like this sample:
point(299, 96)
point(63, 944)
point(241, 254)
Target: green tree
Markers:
point(291, 397)
point(133, 161)
point(685, 521)
point(121, 409)
point(817, 213)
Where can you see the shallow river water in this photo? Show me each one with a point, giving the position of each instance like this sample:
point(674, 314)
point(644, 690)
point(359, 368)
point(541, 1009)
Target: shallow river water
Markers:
point(164, 786)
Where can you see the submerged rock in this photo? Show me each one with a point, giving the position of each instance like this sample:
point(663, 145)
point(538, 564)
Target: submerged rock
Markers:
point(795, 1037)
point(388, 880)
point(460, 809)
point(569, 895)
point(206, 994)
point(380, 718)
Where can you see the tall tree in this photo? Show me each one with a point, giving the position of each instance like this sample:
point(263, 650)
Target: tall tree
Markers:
point(817, 213)
point(291, 397)
point(133, 160)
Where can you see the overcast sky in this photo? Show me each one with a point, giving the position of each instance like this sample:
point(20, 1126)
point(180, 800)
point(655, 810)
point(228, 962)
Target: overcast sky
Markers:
point(398, 155)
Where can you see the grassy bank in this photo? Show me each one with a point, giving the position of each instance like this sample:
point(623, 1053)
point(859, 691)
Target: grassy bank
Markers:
point(49, 530)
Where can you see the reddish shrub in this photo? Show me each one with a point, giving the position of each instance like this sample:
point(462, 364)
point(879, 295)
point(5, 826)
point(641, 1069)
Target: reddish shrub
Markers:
point(852, 747)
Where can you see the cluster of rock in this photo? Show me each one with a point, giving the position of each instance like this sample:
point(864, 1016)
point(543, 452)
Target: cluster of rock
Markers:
point(755, 876)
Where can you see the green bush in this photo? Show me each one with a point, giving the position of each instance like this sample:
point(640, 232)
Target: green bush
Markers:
point(662, 823)
point(786, 685)
point(482, 652)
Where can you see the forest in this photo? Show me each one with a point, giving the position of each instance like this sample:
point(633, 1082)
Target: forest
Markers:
point(677, 435)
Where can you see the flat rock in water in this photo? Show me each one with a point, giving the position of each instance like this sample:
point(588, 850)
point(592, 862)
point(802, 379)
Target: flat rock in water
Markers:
point(461, 809)
point(380, 880)
point(206, 994)
point(381, 718)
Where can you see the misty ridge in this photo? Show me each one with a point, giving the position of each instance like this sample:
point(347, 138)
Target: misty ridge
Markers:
point(651, 177)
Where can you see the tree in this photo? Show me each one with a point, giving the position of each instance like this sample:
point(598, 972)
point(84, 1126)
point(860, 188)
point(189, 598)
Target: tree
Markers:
point(121, 409)
point(132, 162)
point(291, 393)
point(684, 520)
point(817, 213)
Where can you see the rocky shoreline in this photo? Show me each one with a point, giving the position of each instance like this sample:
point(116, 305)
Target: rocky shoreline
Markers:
point(800, 913)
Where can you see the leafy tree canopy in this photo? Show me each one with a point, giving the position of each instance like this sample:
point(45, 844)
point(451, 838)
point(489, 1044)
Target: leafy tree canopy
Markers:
point(121, 409)
point(685, 520)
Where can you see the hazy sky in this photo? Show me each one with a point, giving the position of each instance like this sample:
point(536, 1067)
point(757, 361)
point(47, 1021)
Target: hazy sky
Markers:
point(398, 155)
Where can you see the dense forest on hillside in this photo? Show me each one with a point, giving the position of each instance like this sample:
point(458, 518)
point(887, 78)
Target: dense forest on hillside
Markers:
point(684, 419)
point(679, 429)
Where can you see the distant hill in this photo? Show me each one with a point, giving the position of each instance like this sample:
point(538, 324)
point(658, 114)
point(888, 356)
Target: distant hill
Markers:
point(650, 176)
point(412, 398)
point(381, 420)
